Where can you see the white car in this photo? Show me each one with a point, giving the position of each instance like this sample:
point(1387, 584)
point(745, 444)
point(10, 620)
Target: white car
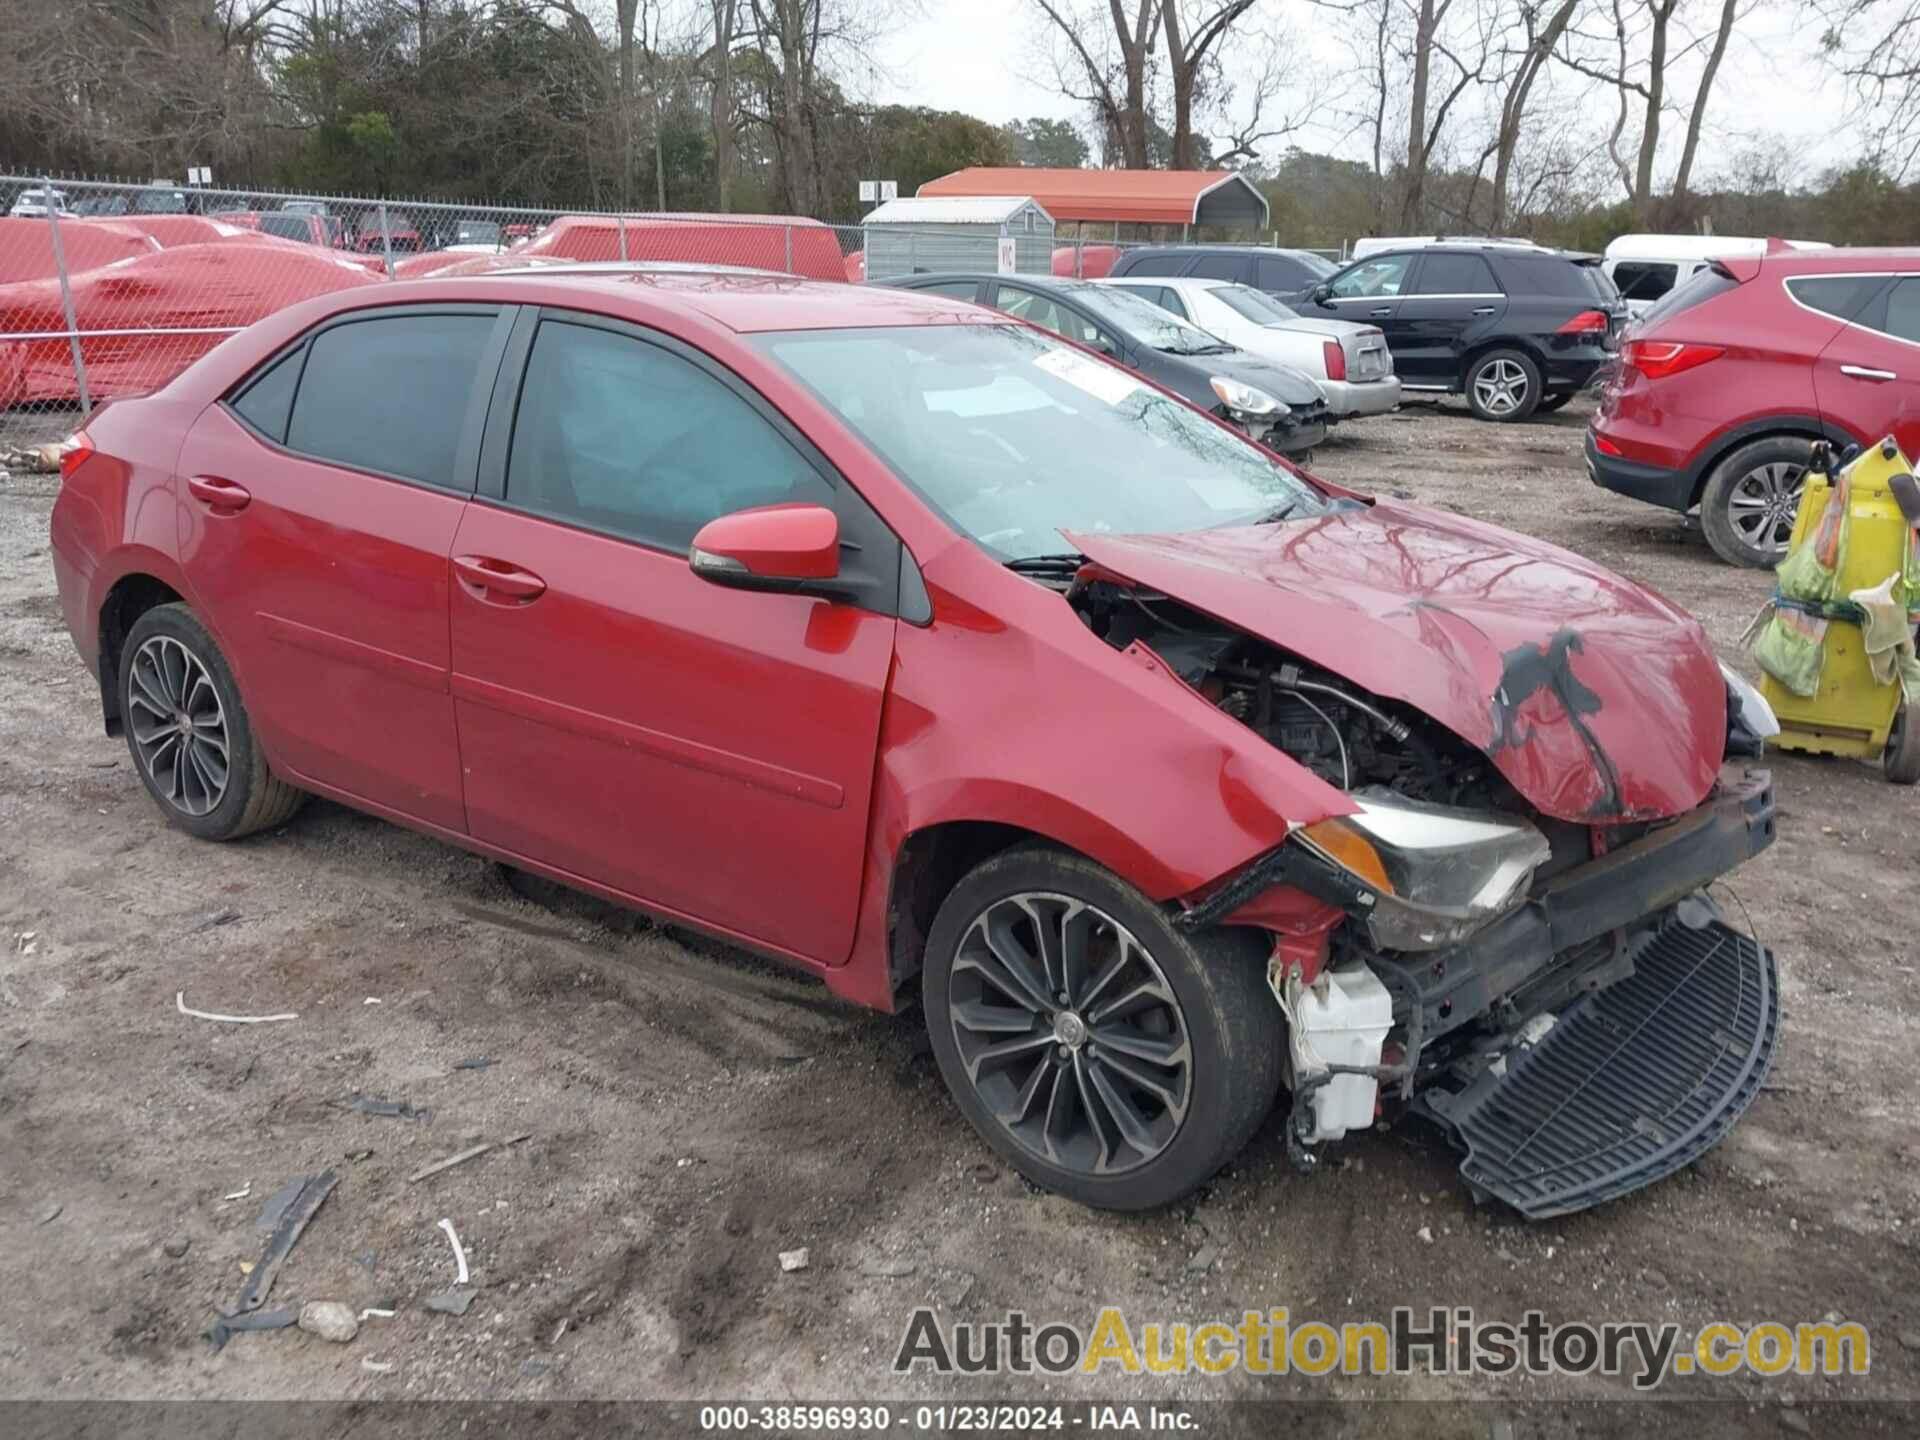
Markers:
point(1645, 268)
point(35, 202)
point(1350, 362)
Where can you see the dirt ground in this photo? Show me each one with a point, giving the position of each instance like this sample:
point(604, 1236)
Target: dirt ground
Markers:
point(691, 1112)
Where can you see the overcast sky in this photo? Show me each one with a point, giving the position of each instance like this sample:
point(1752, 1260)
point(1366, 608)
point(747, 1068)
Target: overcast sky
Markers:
point(982, 56)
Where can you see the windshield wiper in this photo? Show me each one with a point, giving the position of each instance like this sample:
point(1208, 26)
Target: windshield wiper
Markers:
point(1276, 515)
point(1208, 350)
point(1067, 562)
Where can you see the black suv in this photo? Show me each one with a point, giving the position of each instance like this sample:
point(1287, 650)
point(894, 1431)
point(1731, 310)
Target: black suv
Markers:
point(1278, 272)
point(1516, 329)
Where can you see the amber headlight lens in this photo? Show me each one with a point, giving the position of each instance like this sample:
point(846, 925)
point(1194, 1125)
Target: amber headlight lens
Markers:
point(1429, 875)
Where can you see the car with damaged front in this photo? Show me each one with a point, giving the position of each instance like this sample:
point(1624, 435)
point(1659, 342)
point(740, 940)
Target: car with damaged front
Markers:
point(946, 661)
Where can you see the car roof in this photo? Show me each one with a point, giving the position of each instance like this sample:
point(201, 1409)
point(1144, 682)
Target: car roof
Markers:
point(744, 301)
point(1205, 249)
point(1838, 260)
point(1696, 247)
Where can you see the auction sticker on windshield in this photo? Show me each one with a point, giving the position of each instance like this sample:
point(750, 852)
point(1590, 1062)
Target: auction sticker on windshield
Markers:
point(1103, 382)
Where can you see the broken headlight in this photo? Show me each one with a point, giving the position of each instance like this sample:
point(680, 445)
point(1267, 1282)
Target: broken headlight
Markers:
point(1428, 875)
point(1247, 399)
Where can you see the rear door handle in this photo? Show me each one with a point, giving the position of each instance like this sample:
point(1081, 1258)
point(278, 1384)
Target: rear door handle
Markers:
point(1484, 310)
point(223, 497)
point(484, 575)
point(1862, 372)
point(1383, 310)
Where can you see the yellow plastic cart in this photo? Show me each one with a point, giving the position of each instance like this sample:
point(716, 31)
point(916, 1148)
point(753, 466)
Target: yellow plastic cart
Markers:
point(1854, 714)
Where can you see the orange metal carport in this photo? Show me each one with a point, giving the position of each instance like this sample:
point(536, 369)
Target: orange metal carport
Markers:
point(1132, 197)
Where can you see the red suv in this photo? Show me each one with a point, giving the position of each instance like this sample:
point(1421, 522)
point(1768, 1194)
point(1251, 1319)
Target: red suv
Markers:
point(927, 652)
point(1724, 384)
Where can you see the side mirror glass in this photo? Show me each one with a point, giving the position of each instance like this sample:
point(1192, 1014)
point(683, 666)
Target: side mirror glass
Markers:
point(771, 547)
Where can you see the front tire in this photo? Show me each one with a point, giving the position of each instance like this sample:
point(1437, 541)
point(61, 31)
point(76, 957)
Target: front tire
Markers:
point(1748, 507)
point(1102, 1052)
point(188, 732)
point(1503, 385)
point(1901, 760)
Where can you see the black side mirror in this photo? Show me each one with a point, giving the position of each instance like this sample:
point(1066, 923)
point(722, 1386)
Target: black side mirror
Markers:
point(1321, 294)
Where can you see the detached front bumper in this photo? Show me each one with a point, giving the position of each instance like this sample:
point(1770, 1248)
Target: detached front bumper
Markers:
point(1564, 928)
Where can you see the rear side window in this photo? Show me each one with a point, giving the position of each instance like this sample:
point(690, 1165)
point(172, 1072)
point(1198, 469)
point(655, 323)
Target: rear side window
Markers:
point(1170, 262)
point(1903, 310)
point(1546, 275)
point(390, 394)
point(1220, 266)
point(1644, 279)
point(1280, 272)
point(1443, 274)
point(1841, 296)
point(628, 438)
point(955, 289)
point(266, 403)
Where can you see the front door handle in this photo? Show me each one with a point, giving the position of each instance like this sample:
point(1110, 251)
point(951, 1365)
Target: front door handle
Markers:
point(223, 497)
point(1383, 310)
point(1863, 372)
point(1485, 310)
point(484, 576)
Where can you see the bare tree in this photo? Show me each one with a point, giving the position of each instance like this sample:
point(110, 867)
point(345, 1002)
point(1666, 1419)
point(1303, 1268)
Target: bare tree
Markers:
point(1194, 33)
point(720, 96)
point(1115, 89)
point(1875, 45)
point(1642, 88)
point(1539, 35)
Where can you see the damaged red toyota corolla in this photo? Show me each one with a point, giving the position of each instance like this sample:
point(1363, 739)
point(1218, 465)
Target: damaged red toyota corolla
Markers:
point(952, 663)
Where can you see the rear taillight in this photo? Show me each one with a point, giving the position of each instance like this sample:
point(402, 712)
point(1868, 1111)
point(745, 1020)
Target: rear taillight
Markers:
point(1336, 359)
point(74, 452)
point(1657, 359)
point(1587, 322)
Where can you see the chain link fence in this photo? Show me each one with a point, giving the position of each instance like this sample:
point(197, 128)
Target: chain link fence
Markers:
point(111, 288)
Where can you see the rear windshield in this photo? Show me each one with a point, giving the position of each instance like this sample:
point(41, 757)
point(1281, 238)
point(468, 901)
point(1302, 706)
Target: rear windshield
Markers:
point(1254, 305)
point(1701, 286)
point(1550, 275)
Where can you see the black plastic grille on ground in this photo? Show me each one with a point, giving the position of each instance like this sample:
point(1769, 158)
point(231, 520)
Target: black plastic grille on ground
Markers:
point(1631, 1084)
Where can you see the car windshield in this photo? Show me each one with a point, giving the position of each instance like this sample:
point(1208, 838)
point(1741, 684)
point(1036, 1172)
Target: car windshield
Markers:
point(1015, 437)
point(1254, 305)
point(1147, 322)
point(160, 202)
point(476, 232)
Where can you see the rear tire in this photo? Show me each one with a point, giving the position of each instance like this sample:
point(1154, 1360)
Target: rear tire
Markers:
point(1503, 385)
point(1900, 762)
point(189, 735)
point(1179, 1077)
point(1748, 505)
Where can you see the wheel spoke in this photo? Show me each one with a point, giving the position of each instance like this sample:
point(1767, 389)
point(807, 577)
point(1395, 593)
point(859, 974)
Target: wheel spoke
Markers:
point(1118, 1108)
point(986, 1019)
point(1001, 982)
point(1150, 1048)
point(1167, 1093)
point(1128, 1001)
point(999, 1053)
point(178, 726)
point(1045, 1074)
point(1005, 947)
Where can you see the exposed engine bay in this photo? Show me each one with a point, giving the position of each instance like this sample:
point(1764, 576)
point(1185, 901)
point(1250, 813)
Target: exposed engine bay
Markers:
point(1348, 738)
point(1482, 951)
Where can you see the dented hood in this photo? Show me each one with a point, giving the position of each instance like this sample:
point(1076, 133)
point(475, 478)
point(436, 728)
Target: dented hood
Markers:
point(1595, 697)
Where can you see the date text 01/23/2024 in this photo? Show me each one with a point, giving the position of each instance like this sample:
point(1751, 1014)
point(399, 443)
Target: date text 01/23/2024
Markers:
point(943, 1419)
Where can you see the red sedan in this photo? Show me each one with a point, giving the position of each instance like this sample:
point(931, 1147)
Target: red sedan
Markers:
point(942, 658)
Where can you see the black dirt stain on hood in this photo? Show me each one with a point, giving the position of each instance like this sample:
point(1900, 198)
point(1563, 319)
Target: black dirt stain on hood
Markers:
point(1525, 671)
